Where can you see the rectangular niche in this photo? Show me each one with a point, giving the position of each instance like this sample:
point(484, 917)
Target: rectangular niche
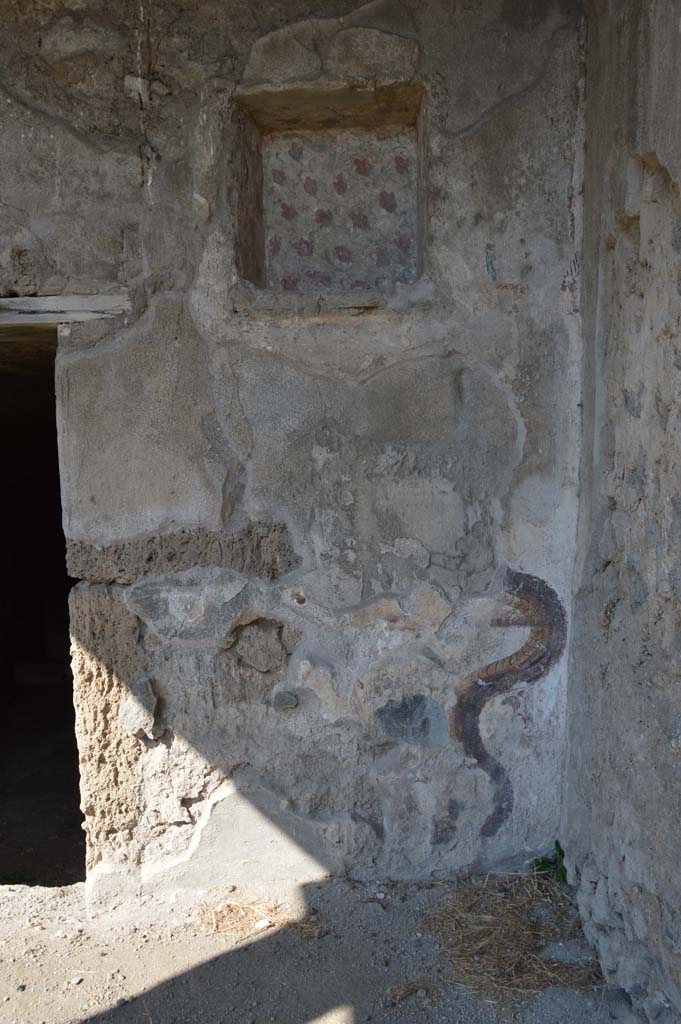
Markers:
point(331, 190)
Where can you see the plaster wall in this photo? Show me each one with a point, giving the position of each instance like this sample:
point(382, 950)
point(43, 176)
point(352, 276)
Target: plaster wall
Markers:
point(325, 536)
point(624, 764)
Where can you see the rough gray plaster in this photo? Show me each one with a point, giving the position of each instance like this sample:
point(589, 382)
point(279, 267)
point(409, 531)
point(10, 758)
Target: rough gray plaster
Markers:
point(299, 520)
point(622, 832)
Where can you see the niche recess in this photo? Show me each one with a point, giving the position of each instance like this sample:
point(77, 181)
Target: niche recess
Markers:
point(330, 190)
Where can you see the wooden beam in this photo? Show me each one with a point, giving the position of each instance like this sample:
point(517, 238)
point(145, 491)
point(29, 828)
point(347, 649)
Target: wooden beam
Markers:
point(61, 309)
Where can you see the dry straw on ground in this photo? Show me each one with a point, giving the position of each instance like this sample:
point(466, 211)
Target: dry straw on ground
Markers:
point(494, 932)
point(403, 990)
point(241, 918)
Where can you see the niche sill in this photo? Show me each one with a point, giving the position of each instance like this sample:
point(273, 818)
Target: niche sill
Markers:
point(248, 300)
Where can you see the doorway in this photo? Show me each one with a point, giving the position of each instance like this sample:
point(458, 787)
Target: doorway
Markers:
point(41, 840)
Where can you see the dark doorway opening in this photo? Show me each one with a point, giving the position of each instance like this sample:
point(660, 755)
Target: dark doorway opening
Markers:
point(41, 840)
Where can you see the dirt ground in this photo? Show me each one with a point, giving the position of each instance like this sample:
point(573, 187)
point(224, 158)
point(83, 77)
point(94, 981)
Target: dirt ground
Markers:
point(356, 954)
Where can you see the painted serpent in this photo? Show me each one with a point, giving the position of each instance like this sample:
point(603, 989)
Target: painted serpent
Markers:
point(531, 602)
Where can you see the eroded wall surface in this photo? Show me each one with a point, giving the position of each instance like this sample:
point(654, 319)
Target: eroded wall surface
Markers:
point(324, 519)
point(624, 777)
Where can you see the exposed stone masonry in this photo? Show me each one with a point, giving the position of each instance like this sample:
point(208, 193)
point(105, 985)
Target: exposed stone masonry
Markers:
point(261, 549)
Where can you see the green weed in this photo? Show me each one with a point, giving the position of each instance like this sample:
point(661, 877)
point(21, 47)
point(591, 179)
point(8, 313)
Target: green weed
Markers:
point(551, 865)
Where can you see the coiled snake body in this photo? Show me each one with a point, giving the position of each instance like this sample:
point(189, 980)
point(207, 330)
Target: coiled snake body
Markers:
point(531, 602)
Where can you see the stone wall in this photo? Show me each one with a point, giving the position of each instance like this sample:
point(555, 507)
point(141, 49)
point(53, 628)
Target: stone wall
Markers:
point(624, 766)
point(320, 483)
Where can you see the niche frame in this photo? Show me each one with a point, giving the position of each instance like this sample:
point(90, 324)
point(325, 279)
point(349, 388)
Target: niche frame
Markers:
point(259, 114)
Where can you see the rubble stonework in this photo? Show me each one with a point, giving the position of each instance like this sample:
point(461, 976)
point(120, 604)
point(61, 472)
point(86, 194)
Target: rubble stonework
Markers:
point(623, 805)
point(625, 728)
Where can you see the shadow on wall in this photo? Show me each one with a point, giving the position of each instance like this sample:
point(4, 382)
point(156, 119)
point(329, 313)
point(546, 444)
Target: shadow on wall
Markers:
point(329, 712)
point(217, 746)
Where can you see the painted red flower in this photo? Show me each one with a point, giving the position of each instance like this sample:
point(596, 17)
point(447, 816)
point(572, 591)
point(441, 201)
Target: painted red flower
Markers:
point(388, 202)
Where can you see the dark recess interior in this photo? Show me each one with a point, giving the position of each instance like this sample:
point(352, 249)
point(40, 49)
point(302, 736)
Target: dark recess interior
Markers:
point(41, 840)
